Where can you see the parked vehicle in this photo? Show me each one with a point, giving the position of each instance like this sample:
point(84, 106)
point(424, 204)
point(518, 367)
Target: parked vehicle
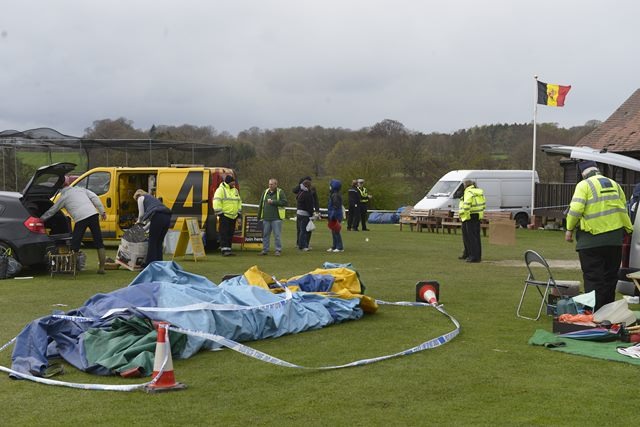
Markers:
point(186, 190)
point(504, 190)
point(21, 230)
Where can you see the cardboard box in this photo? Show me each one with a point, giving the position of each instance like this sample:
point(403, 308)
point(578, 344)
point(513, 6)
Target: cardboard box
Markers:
point(502, 232)
point(131, 255)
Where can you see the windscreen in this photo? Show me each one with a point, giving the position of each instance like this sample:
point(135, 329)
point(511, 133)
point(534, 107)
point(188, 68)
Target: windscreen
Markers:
point(443, 189)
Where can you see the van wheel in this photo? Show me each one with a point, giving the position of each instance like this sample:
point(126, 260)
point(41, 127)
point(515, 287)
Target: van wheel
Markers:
point(522, 220)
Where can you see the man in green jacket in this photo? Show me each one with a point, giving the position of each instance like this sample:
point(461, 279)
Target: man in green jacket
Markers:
point(271, 212)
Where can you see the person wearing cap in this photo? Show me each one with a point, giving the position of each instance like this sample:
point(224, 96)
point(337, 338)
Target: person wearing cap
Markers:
point(227, 205)
point(156, 218)
point(471, 211)
point(364, 203)
point(353, 219)
point(598, 218)
point(271, 211)
point(86, 209)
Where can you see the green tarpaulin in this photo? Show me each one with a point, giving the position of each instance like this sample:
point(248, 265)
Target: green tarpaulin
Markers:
point(595, 349)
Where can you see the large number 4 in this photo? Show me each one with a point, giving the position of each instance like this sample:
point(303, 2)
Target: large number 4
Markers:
point(191, 185)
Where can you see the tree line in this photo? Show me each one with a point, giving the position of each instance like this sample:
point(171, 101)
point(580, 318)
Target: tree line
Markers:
point(398, 164)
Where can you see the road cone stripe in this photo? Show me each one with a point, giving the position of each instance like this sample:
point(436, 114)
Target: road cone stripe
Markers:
point(164, 378)
point(428, 291)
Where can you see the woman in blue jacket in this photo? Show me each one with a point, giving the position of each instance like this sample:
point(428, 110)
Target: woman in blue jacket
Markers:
point(334, 211)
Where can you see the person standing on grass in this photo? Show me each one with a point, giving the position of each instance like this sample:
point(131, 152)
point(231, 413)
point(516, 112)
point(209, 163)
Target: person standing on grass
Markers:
point(334, 212)
point(271, 212)
point(471, 211)
point(157, 219)
point(353, 220)
point(364, 203)
point(598, 216)
point(227, 205)
point(304, 212)
point(86, 209)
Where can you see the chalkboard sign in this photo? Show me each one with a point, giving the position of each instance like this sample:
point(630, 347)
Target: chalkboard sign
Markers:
point(251, 229)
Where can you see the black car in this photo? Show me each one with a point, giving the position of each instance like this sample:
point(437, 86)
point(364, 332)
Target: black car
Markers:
point(21, 230)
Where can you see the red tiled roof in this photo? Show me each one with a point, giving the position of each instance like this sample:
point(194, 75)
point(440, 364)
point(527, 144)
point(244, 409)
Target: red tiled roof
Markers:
point(621, 131)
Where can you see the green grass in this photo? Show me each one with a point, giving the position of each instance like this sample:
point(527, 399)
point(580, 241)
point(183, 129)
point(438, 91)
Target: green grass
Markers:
point(488, 375)
point(38, 159)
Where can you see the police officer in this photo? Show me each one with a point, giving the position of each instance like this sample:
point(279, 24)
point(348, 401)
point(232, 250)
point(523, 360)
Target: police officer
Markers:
point(353, 220)
point(471, 211)
point(227, 204)
point(598, 216)
point(364, 204)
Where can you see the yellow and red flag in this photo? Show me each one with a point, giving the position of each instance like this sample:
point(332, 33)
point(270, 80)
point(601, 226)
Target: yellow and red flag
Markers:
point(552, 95)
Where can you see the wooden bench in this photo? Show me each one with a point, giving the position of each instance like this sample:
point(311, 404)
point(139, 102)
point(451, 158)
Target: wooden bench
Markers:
point(440, 217)
point(406, 218)
point(454, 222)
point(422, 218)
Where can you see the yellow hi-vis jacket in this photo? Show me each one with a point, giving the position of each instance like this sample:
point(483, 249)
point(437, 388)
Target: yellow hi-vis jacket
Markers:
point(598, 205)
point(226, 200)
point(364, 194)
point(473, 202)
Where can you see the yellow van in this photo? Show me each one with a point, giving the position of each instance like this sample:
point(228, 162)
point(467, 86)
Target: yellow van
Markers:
point(186, 190)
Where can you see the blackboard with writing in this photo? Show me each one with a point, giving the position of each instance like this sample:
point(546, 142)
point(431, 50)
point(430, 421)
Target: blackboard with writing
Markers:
point(251, 229)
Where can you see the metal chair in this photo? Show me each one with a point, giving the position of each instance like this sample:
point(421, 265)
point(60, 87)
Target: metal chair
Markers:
point(547, 282)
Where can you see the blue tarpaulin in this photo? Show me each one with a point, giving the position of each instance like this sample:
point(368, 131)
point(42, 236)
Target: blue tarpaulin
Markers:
point(164, 291)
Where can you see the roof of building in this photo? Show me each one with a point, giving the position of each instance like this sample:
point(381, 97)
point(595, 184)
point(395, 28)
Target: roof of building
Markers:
point(621, 131)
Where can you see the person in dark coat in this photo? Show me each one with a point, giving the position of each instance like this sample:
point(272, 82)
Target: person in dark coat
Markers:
point(353, 219)
point(304, 212)
point(315, 202)
point(335, 216)
point(158, 220)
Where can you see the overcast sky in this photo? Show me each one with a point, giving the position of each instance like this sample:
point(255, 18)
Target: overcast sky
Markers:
point(435, 66)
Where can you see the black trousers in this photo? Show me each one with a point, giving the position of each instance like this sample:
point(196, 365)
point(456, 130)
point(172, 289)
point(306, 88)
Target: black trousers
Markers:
point(471, 238)
point(303, 236)
point(353, 221)
point(226, 227)
point(93, 223)
point(600, 272)
point(363, 215)
point(158, 228)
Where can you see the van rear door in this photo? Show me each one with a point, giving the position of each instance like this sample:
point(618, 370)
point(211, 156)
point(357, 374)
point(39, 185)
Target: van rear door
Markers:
point(184, 191)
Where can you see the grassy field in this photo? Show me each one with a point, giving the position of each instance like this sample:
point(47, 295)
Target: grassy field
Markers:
point(38, 159)
point(488, 375)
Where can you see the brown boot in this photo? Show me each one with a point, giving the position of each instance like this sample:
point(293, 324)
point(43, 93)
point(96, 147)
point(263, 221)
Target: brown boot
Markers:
point(102, 259)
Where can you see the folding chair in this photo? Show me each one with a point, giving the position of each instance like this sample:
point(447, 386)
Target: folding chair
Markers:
point(548, 283)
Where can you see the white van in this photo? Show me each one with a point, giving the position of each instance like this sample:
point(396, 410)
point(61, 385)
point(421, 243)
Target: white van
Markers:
point(504, 190)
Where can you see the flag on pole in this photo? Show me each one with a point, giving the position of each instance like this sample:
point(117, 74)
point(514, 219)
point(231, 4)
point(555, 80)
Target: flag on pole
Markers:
point(552, 95)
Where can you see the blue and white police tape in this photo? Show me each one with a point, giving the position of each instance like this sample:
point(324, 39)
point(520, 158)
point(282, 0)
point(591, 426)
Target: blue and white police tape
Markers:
point(248, 351)
point(259, 355)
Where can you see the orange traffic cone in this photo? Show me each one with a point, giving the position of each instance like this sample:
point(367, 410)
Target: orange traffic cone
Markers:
point(166, 381)
point(428, 292)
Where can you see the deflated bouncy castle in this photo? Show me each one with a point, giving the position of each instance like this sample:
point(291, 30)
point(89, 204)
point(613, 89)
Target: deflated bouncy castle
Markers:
point(114, 333)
